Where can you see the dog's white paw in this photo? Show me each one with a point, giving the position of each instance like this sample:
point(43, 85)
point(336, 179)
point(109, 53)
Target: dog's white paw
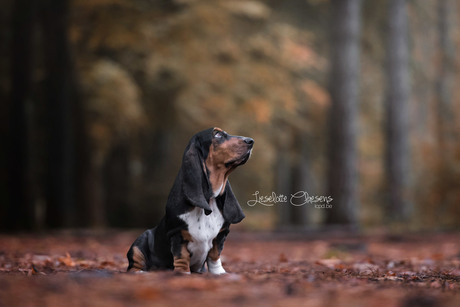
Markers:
point(215, 267)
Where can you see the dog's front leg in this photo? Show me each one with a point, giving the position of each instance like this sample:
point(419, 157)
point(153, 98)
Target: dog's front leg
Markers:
point(180, 252)
point(213, 259)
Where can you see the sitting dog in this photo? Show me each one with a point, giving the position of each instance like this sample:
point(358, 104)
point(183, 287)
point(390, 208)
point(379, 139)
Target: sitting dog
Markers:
point(200, 208)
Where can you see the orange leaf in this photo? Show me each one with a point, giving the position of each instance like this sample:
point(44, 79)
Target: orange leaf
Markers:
point(67, 260)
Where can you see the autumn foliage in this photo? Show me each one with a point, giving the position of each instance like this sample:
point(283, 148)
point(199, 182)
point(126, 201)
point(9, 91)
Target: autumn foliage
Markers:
point(265, 269)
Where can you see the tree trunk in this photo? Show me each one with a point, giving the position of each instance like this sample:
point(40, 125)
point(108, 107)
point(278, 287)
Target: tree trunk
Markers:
point(59, 94)
point(283, 174)
point(300, 216)
point(446, 8)
point(293, 174)
point(446, 119)
point(19, 211)
point(397, 114)
point(117, 184)
point(344, 90)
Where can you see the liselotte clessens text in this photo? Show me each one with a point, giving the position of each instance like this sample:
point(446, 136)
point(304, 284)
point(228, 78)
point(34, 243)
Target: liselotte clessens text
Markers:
point(297, 199)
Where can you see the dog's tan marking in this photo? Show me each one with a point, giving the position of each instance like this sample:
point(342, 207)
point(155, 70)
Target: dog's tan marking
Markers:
point(182, 263)
point(214, 252)
point(186, 235)
point(220, 154)
point(138, 259)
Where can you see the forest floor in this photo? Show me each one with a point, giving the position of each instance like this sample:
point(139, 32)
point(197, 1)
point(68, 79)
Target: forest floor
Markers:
point(265, 269)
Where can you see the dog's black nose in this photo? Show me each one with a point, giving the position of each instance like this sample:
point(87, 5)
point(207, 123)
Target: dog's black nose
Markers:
point(249, 141)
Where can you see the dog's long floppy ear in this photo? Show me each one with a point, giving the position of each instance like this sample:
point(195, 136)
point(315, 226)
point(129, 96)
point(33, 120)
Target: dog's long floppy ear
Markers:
point(195, 182)
point(232, 211)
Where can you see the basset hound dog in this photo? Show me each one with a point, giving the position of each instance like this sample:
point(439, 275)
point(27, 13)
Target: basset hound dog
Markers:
point(199, 210)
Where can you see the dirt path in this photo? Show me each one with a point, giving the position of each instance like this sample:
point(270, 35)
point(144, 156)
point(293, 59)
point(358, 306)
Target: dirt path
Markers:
point(265, 270)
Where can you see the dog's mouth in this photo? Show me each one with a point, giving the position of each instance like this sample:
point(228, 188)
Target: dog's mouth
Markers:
point(239, 161)
point(246, 157)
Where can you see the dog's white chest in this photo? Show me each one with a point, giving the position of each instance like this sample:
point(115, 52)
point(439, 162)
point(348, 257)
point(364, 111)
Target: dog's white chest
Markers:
point(203, 229)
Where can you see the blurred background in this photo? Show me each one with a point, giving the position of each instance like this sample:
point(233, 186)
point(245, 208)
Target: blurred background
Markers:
point(356, 100)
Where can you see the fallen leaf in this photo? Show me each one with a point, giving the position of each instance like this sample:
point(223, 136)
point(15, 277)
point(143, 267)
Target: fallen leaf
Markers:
point(366, 268)
point(330, 263)
point(282, 258)
point(67, 260)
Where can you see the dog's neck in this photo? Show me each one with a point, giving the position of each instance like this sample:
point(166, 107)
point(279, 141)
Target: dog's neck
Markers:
point(218, 180)
point(217, 192)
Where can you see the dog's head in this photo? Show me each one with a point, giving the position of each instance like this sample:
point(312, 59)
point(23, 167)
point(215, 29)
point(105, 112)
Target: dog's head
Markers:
point(209, 158)
point(228, 151)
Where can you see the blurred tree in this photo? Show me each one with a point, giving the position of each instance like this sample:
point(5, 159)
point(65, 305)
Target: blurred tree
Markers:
point(294, 173)
point(19, 212)
point(446, 9)
point(342, 172)
point(447, 183)
point(302, 177)
point(111, 117)
point(284, 176)
point(397, 167)
point(117, 175)
point(59, 97)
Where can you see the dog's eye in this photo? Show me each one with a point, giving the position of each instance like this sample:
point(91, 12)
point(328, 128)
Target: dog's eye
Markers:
point(218, 135)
